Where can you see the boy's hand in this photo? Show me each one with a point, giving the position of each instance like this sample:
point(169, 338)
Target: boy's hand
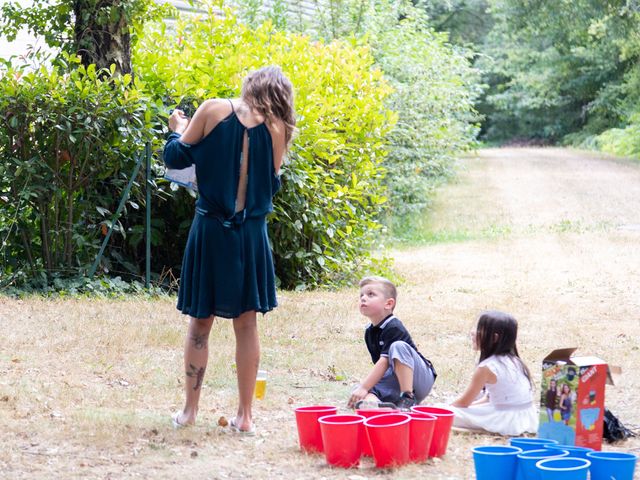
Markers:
point(357, 394)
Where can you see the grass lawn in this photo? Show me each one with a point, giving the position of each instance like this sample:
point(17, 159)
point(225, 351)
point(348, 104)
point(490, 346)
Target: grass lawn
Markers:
point(87, 385)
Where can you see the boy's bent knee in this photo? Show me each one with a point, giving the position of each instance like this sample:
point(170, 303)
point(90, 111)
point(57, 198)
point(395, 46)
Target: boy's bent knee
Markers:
point(402, 352)
point(399, 349)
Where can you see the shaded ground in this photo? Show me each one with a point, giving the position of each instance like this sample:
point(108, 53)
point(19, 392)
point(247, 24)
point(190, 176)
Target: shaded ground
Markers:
point(550, 235)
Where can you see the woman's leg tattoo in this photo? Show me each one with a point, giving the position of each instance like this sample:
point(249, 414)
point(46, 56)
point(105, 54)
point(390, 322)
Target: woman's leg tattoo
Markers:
point(197, 373)
point(200, 341)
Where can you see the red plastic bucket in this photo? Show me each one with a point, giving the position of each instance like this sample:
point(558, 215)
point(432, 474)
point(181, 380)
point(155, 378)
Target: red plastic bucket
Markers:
point(389, 438)
point(365, 446)
point(442, 429)
point(309, 428)
point(421, 430)
point(341, 439)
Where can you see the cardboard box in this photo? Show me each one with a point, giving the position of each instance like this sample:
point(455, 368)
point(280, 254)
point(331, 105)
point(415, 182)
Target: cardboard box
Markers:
point(572, 398)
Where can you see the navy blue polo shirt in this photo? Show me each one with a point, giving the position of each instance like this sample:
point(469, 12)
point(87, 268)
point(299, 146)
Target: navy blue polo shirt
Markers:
point(379, 338)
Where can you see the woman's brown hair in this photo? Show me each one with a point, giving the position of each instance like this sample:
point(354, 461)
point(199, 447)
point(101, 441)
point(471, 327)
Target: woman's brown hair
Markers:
point(269, 92)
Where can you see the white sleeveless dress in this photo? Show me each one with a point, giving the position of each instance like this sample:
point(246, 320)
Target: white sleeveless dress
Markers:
point(510, 410)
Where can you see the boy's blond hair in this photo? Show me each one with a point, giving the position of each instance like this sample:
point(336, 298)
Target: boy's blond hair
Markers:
point(388, 288)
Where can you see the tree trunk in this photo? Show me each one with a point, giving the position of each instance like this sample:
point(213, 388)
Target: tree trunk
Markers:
point(26, 243)
point(44, 235)
point(102, 33)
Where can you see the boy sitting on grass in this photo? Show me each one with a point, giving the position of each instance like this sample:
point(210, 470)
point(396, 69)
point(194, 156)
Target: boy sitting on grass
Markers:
point(401, 375)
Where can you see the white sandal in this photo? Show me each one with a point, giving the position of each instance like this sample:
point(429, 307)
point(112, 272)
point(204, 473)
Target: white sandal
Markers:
point(176, 424)
point(234, 428)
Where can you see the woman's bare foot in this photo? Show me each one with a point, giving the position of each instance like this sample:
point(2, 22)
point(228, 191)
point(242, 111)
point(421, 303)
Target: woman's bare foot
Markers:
point(243, 425)
point(180, 419)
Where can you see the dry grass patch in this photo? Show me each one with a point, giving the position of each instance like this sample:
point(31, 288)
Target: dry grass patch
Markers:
point(87, 386)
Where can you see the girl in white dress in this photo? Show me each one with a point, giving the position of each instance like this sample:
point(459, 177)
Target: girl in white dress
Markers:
point(499, 398)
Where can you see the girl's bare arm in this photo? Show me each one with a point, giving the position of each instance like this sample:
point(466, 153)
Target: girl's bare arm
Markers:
point(480, 378)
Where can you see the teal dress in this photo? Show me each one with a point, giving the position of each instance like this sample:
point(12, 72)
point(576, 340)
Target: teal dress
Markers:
point(227, 267)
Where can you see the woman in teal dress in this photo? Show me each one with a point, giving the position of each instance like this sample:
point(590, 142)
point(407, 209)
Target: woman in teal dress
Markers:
point(237, 147)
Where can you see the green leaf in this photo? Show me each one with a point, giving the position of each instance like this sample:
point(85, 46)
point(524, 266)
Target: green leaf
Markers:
point(103, 211)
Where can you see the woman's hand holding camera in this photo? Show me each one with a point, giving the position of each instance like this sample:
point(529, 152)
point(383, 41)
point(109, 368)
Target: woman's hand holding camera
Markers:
point(178, 121)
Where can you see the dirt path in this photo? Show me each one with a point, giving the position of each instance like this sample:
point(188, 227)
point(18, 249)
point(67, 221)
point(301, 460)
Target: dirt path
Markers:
point(550, 235)
point(528, 189)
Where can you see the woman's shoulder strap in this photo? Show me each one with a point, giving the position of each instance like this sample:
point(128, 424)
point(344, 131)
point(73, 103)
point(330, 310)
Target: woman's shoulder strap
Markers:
point(231, 103)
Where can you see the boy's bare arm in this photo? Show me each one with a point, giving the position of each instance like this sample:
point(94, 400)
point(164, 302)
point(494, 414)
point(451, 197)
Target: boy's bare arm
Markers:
point(376, 373)
point(370, 381)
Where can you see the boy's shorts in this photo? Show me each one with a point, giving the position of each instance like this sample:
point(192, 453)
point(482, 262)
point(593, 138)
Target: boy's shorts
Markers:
point(388, 388)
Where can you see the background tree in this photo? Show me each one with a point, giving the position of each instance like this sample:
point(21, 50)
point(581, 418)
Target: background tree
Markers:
point(555, 71)
point(467, 22)
point(100, 31)
point(555, 68)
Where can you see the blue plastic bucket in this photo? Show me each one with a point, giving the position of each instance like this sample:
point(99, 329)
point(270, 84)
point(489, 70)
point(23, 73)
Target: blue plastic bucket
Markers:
point(495, 461)
point(580, 452)
point(566, 468)
point(607, 465)
point(527, 444)
point(527, 462)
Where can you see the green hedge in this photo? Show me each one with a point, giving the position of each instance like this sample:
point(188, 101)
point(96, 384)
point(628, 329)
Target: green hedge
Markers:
point(434, 90)
point(71, 135)
point(326, 216)
point(68, 140)
point(622, 141)
point(434, 93)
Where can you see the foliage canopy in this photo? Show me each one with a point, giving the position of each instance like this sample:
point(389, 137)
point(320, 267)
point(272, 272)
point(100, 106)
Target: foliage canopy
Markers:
point(326, 214)
point(68, 140)
point(434, 89)
point(559, 71)
point(374, 133)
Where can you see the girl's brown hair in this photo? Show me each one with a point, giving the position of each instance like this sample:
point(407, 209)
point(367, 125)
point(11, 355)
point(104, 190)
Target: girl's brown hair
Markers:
point(270, 93)
point(496, 334)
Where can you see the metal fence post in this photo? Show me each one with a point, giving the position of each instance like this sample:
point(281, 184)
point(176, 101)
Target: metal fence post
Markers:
point(115, 216)
point(147, 276)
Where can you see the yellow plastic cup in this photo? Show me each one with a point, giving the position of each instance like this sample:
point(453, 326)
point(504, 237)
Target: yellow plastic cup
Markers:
point(261, 384)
